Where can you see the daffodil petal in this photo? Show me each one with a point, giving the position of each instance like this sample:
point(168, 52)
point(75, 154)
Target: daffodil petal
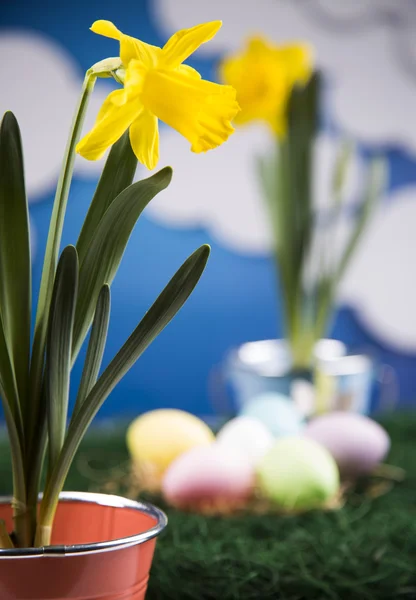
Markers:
point(258, 46)
point(298, 60)
point(200, 110)
point(115, 116)
point(183, 43)
point(106, 28)
point(144, 139)
point(187, 70)
point(132, 48)
point(134, 77)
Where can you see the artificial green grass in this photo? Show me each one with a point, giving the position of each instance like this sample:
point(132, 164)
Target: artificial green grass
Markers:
point(365, 551)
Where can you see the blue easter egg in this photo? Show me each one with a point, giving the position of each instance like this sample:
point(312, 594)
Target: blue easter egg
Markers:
point(277, 412)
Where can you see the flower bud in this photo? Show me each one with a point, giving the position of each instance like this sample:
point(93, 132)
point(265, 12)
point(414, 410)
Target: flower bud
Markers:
point(119, 75)
point(107, 68)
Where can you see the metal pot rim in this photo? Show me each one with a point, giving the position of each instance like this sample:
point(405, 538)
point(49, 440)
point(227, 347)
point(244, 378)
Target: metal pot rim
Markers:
point(270, 358)
point(93, 548)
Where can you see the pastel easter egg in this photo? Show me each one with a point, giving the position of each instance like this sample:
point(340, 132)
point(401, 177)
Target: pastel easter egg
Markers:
point(209, 479)
point(247, 435)
point(157, 438)
point(298, 474)
point(277, 412)
point(357, 443)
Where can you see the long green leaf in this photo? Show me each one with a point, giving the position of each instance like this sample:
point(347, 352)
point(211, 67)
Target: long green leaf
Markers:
point(58, 349)
point(8, 385)
point(35, 468)
point(107, 246)
point(375, 185)
point(96, 346)
point(117, 175)
point(329, 281)
point(291, 207)
point(155, 320)
point(14, 424)
point(18, 471)
point(49, 265)
point(266, 168)
point(342, 164)
point(15, 263)
point(303, 115)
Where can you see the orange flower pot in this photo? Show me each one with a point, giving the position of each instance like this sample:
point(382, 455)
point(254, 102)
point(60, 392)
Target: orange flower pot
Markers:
point(102, 549)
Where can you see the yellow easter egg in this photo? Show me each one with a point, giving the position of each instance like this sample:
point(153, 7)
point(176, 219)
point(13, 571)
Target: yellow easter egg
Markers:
point(157, 438)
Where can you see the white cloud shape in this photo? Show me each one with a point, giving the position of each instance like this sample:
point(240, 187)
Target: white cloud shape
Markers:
point(368, 63)
point(217, 190)
point(41, 84)
point(220, 190)
point(352, 13)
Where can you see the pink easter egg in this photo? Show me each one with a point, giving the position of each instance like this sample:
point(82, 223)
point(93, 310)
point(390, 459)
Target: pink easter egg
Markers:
point(209, 478)
point(357, 443)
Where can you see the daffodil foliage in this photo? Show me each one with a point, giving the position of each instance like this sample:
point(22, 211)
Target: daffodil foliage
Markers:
point(311, 262)
point(74, 295)
point(278, 86)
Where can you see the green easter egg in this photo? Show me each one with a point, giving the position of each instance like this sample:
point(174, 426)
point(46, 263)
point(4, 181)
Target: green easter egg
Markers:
point(298, 474)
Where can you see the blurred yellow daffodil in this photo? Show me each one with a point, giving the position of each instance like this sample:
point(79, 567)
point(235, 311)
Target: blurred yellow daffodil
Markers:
point(264, 75)
point(158, 86)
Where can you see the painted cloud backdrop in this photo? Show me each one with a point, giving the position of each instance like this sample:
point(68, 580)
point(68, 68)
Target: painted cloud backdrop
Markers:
point(368, 53)
point(359, 52)
point(229, 204)
point(44, 92)
point(366, 48)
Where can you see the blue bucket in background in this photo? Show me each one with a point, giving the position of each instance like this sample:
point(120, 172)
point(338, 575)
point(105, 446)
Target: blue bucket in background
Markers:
point(265, 366)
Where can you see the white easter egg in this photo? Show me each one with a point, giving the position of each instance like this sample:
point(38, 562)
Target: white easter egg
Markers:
point(247, 435)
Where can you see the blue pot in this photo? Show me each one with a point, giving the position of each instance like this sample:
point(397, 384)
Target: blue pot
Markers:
point(344, 382)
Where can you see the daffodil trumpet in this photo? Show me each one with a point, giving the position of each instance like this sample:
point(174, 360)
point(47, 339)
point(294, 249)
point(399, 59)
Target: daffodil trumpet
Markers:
point(264, 75)
point(74, 296)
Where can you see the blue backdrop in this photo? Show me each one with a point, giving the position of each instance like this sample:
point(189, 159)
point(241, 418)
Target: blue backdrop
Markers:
point(236, 299)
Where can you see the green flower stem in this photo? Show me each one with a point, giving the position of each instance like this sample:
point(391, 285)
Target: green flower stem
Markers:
point(52, 252)
point(302, 344)
point(34, 479)
point(43, 535)
point(35, 416)
point(5, 541)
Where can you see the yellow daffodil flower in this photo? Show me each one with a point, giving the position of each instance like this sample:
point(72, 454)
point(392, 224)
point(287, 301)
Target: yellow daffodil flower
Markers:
point(158, 86)
point(264, 75)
